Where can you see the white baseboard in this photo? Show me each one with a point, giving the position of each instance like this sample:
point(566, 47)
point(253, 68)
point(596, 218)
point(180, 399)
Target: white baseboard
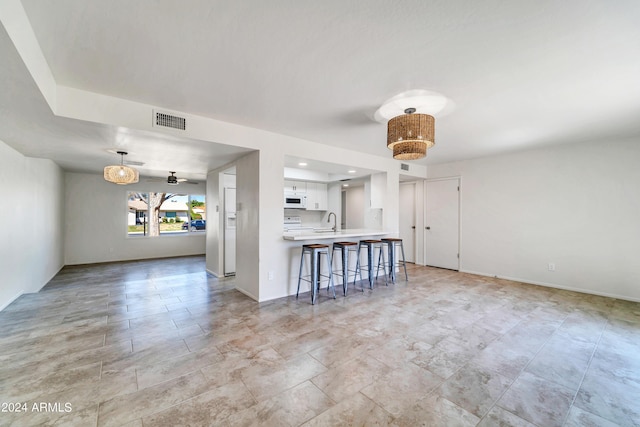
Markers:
point(249, 294)
point(555, 286)
point(8, 303)
point(212, 273)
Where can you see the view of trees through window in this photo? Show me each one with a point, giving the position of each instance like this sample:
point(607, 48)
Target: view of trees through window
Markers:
point(156, 214)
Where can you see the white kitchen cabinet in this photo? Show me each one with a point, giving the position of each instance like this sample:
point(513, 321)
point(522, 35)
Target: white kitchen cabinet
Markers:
point(297, 187)
point(378, 190)
point(317, 199)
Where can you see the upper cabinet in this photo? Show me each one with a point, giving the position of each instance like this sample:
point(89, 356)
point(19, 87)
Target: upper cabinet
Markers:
point(298, 187)
point(316, 193)
point(317, 199)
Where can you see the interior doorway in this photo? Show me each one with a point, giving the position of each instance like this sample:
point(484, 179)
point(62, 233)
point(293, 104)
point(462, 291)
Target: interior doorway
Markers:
point(442, 223)
point(408, 219)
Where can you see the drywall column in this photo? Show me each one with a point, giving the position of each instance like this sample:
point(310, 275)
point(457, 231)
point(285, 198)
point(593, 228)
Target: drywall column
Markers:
point(213, 249)
point(248, 239)
point(273, 250)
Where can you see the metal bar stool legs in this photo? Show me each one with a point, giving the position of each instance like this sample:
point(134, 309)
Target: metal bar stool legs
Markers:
point(392, 243)
point(371, 246)
point(345, 248)
point(315, 251)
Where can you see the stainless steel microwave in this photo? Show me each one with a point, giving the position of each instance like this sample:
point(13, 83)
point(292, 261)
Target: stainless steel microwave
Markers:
point(295, 201)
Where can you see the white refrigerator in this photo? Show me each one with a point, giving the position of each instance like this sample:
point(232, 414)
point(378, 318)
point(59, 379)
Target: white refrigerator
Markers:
point(229, 231)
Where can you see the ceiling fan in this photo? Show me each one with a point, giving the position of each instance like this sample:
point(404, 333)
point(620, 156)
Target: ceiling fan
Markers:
point(172, 179)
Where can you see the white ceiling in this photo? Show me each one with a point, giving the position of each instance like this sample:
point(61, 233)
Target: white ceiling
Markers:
point(521, 74)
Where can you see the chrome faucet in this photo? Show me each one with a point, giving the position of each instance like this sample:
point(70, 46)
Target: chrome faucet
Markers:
point(335, 221)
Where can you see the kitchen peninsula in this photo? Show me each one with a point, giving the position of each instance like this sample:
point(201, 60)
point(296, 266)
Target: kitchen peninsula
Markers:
point(310, 234)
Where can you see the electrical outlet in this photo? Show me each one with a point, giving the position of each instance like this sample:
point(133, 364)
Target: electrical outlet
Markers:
point(270, 275)
point(552, 267)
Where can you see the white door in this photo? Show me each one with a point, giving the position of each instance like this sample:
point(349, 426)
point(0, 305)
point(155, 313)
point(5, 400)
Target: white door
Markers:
point(442, 223)
point(408, 219)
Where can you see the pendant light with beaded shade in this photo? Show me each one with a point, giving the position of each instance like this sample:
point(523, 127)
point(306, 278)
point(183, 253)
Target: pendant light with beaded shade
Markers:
point(121, 174)
point(410, 135)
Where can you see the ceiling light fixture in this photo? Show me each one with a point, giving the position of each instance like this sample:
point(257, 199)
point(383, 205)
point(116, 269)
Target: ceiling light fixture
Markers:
point(409, 135)
point(121, 174)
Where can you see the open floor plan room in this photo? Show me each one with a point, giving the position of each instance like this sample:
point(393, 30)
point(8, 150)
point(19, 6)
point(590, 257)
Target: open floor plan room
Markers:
point(161, 342)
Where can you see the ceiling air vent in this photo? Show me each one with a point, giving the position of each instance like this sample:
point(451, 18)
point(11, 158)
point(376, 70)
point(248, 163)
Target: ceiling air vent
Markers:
point(167, 120)
point(404, 166)
point(133, 163)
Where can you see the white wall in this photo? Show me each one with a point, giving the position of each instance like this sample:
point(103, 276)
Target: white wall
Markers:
point(355, 207)
point(96, 223)
point(576, 206)
point(32, 216)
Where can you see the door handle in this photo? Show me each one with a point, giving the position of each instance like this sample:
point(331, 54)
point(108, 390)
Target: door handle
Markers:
point(413, 227)
point(427, 228)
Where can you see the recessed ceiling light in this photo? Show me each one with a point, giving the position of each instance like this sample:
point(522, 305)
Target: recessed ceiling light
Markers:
point(302, 164)
point(352, 171)
point(345, 185)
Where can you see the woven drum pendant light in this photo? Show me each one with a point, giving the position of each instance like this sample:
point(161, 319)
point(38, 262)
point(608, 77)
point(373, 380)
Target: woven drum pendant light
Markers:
point(409, 135)
point(121, 174)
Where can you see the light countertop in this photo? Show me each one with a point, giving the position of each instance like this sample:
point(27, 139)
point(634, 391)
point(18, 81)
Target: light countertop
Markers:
point(318, 235)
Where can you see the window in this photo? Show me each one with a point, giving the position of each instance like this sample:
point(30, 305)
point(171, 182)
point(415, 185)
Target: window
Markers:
point(158, 214)
point(137, 214)
point(197, 213)
point(171, 212)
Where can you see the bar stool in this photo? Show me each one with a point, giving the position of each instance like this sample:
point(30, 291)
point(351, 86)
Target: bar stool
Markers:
point(315, 250)
point(392, 243)
point(370, 246)
point(345, 249)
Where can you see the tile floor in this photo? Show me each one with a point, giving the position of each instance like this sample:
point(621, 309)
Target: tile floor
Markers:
point(161, 343)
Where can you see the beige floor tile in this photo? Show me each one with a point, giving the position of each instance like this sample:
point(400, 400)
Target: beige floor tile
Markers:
point(164, 370)
point(147, 401)
point(210, 408)
point(562, 360)
point(500, 357)
point(398, 351)
point(306, 342)
point(537, 400)
point(356, 410)
point(154, 353)
point(609, 399)
point(446, 357)
point(30, 388)
point(500, 417)
point(265, 381)
point(474, 389)
point(436, 411)
point(289, 408)
point(579, 418)
point(350, 377)
point(401, 387)
point(336, 351)
point(230, 368)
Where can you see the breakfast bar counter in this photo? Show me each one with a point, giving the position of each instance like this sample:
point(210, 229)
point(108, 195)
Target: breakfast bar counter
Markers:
point(319, 234)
